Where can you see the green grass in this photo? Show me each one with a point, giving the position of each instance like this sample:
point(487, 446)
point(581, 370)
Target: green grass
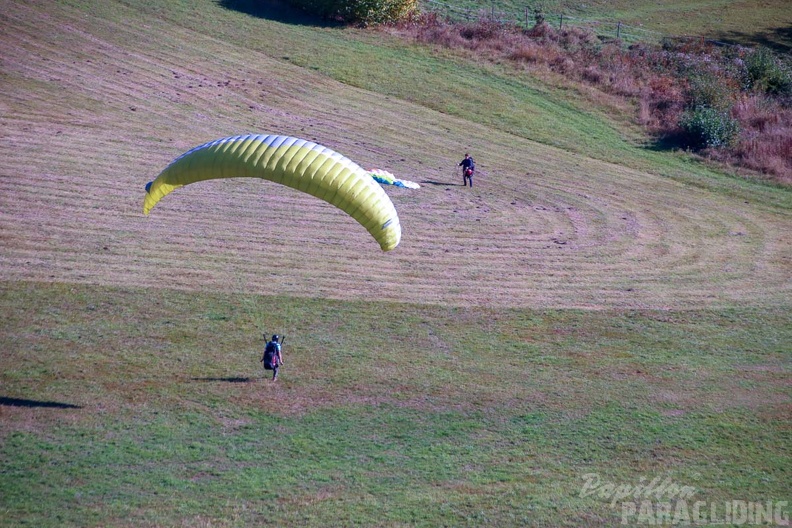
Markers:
point(495, 96)
point(489, 95)
point(130, 388)
point(479, 93)
point(734, 21)
point(425, 417)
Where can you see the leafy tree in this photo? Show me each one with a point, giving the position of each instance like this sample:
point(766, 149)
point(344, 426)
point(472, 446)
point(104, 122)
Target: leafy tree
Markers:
point(360, 11)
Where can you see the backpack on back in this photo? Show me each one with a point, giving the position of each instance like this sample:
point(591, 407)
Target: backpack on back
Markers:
point(271, 355)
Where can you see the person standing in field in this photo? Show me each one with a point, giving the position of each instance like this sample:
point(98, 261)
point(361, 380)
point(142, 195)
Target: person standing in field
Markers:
point(272, 358)
point(468, 168)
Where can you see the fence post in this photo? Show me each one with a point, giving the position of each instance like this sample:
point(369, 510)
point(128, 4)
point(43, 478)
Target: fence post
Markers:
point(561, 23)
point(618, 30)
point(526, 18)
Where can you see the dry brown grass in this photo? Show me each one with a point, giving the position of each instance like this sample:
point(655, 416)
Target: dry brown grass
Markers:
point(765, 143)
point(85, 126)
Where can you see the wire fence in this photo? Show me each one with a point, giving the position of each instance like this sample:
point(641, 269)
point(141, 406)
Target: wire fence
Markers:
point(527, 18)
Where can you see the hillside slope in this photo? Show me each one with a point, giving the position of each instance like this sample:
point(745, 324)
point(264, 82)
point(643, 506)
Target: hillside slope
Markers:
point(132, 392)
point(97, 97)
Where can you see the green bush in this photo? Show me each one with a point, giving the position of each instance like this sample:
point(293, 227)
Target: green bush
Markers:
point(360, 11)
point(708, 90)
point(707, 127)
point(766, 73)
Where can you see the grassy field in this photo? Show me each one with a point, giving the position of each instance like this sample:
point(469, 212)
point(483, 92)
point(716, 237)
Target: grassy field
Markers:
point(743, 22)
point(141, 408)
point(592, 306)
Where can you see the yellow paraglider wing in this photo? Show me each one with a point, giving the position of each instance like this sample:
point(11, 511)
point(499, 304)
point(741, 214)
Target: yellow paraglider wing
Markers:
point(300, 164)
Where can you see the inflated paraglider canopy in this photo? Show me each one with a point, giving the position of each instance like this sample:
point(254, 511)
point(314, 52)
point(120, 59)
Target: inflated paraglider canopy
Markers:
point(300, 164)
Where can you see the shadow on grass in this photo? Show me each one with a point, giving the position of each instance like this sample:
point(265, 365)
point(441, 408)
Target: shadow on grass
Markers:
point(779, 39)
point(278, 11)
point(670, 140)
point(447, 184)
point(226, 380)
point(665, 144)
point(19, 402)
